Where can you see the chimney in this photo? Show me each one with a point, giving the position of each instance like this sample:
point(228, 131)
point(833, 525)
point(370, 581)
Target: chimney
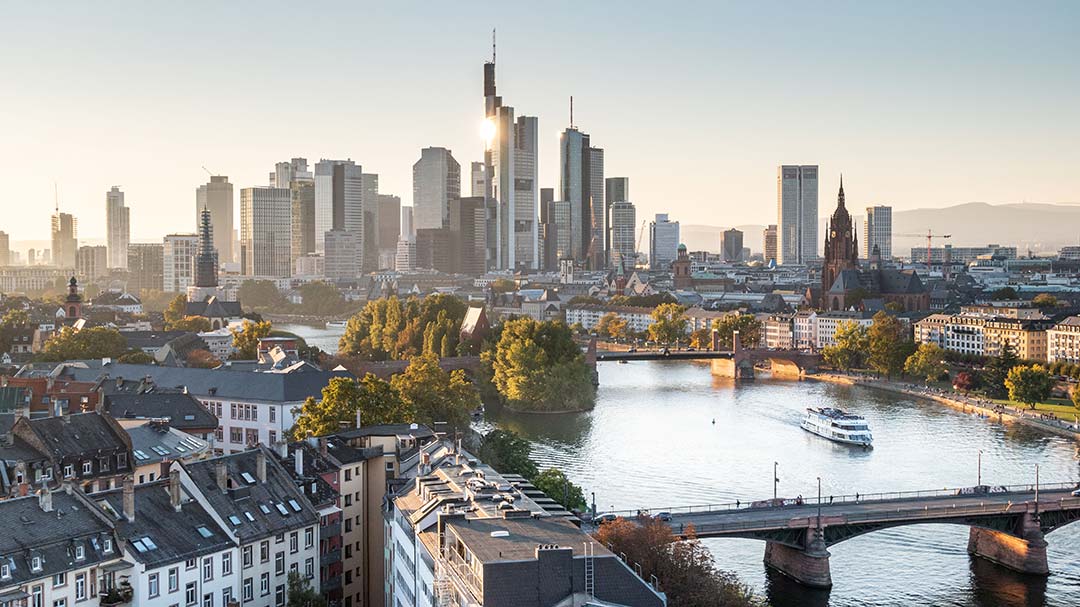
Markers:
point(129, 499)
point(45, 499)
point(174, 489)
point(322, 447)
point(298, 456)
point(281, 448)
point(222, 477)
point(260, 464)
point(358, 418)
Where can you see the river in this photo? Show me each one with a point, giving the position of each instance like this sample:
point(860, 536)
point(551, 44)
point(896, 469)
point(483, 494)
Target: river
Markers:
point(669, 434)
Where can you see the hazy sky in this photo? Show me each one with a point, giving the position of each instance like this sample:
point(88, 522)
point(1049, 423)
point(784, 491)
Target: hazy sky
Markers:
point(923, 105)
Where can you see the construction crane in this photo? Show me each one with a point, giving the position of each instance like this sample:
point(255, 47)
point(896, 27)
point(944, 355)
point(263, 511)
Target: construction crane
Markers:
point(640, 235)
point(930, 236)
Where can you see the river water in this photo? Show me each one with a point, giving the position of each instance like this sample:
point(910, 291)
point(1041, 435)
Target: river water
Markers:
point(651, 442)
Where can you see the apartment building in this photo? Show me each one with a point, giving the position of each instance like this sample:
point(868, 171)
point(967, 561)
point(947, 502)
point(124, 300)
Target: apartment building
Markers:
point(826, 323)
point(1063, 341)
point(953, 332)
point(780, 332)
point(1027, 337)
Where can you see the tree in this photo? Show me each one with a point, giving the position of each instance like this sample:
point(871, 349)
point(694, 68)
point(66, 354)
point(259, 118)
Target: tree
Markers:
point(174, 312)
point(433, 395)
point(195, 324)
point(1028, 384)
point(14, 319)
point(701, 339)
point(612, 325)
point(997, 370)
point(301, 594)
point(394, 329)
point(321, 299)
point(537, 366)
point(246, 339)
point(202, 359)
point(1045, 301)
point(136, 357)
point(749, 329)
point(375, 399)
point(1004, 293)
point(260, 295)
point(928, 361)
point(555, 485)
point(685, 569)
point(504, 285)
point(965, 381)
point(1076, 396)
point(93, 342)
point(889, 348)
point(852, 344)
point(669, 323)
point(508, 452)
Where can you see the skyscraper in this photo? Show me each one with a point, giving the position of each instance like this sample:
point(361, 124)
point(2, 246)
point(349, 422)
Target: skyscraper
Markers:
point(548, 236)
point(339, 198)
point(616, 189)
point(598, 244)
point(117, 228)
point(731, 245)
point(206, 258)
point(265, 231)
point(408, 229)
point(468, 232)
point(389, 228)
point(797, 209)
point(178, 262)
point(436, 180)
point(64, 239)
point(342, 256)
point(433, 249)
point(285, 173)
point(146, 267)
point(5, 250)
point(623, 247)
point(663, 242)
point(368, 231)
point(91, 263)
point(877, 231)
point(478, 179)
point(770, 243)
point(574, 185)
point(217, 196)
point(302, 194)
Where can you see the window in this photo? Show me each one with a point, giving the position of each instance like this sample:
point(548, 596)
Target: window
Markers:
point(226, 565)
point(59, 579)
point(189, 593)
point(152, 584)
point(348, 474)
point(69, 471)
point(348, 525)
point(279, 563)
point(309, 537)
point(208, 568)
point(104, 464)
point(80, 587)
point(80, 553)
point(279, 595)
point(226, 595)
point(174, 580)
point(208, 599)
point(273, 436)
point(106, 545)
point(232, 410)
point(190, 564)
point(264, 583)
point(246, 557)
point(35, 563)
point(273, 415)
point(87, 468)
point(279, 537)
point(36, 596)
point(248, 591)
point(309, 568)
point(236, 435)
point(219, 434)
point(294, 542)
point(251, 436)
point(5, 571)
point(264, 551)
point(59, 603)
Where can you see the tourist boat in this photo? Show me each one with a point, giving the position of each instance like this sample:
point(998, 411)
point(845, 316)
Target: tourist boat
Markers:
point(336, 324)
point(836, 425)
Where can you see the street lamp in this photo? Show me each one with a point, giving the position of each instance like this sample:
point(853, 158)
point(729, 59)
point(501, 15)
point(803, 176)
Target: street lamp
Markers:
point(980, 468)
point(819, 502)
point(1036, 489)
point(775, 479)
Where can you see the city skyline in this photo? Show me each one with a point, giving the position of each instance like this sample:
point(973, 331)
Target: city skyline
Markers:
point(854, 96)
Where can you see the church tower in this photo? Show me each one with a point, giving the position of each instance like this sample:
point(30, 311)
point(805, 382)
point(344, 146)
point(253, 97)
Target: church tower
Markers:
point(841, 250)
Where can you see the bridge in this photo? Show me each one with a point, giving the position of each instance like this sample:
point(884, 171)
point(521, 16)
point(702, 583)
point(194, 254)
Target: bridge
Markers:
point(1007, 524)
point(739, 362)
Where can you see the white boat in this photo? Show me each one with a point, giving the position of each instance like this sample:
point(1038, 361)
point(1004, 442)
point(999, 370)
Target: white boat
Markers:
point(838, 426)
point(337, 324)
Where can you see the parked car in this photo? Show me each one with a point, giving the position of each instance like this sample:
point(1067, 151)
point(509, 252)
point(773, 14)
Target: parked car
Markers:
point(602, 519)
point(663, 516)
point(1076, 493)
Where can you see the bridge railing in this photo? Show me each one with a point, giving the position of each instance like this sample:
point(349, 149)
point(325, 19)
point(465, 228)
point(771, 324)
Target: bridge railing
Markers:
point(881, 496)
point(899, 514)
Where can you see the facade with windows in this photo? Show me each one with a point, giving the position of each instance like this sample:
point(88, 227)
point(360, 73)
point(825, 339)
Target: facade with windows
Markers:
point(1063, 341)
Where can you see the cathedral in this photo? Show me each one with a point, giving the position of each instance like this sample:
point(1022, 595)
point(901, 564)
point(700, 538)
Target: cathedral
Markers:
point(843, 281)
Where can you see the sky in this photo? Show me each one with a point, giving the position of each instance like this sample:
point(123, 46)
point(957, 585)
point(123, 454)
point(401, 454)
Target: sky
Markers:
point(920, 104)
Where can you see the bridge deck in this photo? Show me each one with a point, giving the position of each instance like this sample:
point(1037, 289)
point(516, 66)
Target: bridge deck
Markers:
point(602, 355)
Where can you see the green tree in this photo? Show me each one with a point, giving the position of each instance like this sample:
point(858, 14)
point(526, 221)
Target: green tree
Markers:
point(202, 359)
point(136, 357)
point(260, 295)
point(537, 366)
point(319, 298)
point(749, 329)
point(375, 399)
point(1028, 384)
point(15, 318)
point(394, 329)
point(1045, 301)
point(928, 361)
point(1004, 294)
point(433, 395)
point(174, 312)
point(701, 339)
point(555, 485)
point(246, 339)
point(507, 452)
point(669, 323)
point(93, 342)
point(504, 285)
point(612, 325)
point(195, 324)
point(889, 347)
point(997, 370)
point(851, 348)
point(301, 594)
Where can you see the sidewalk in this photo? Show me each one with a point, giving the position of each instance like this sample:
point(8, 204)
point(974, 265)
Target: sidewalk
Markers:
point(981, 407)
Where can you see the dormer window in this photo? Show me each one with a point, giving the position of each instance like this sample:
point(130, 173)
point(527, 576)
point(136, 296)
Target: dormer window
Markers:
point(87, 467)
point(121, 460)
point(5, 571)
point(107, 545)
point(69, 471)
point(80, 553)
point(35, 563)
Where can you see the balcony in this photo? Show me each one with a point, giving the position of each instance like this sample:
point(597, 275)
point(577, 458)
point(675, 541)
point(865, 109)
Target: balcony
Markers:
point(330, 529)
point(329, 558)
point(120, 595)
point(331, 584)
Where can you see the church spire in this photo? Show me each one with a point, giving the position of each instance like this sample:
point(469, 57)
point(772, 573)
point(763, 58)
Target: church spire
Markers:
point(840, 196)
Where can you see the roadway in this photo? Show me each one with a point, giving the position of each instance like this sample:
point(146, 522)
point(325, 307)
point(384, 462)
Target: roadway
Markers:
point(602, 355)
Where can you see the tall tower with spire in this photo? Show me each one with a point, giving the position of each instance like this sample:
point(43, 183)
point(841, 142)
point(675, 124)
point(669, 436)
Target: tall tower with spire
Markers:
point(841, 247)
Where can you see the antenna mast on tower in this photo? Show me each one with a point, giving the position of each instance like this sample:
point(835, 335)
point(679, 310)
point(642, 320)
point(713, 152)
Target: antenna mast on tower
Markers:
point(571, 111)
point(493, 45)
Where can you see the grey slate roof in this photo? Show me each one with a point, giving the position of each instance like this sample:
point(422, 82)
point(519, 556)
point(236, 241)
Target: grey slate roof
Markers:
point(54, 536)
point(415, 430)
point(213, 308)
point(183, 410)
point(150, 339)
point(78, 434)
point(152, 443)
point(174, 534)
point(263, 501)
point(241, 385)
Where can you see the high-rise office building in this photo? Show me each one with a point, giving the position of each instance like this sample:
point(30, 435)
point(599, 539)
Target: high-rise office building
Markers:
point(797, 210)
point(877, 231)
point(389, 229)
point(575, 182)
point(217, 196)
point(146, 267)
point(265, 232)
point(369, 227)
point(5, 250)
point(302, 194)
point(623, 247)
point(436, 180)
point(285, 173)
point(663, 242)
point(770, 243)
point(598, 244)
point(511, 160)
point(408, 228)
point(65, 241)
point(616, 189)
point(117, 228)
point(178, 262)
point(405, 256)
point(564, 233)
point(91, 262)
point(206, 257)
point(478, 179)
point(548, 235)
point(434, 249)
point(468, 231)
point(339, 198)
point(731, 245)
point(342, 256)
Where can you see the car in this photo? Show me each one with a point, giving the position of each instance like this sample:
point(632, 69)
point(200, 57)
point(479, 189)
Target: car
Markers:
point(1076, 493)
point(632, 349)
point(602, 519)
point(662, 516)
